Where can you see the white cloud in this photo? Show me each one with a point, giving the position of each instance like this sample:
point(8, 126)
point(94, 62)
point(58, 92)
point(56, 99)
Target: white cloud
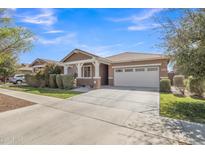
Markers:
point(101, 50)
point(141, 21)
point(66, 39)
point(45, 17)
point(54, 31)
point(108, 50)
point(147, 14)
point(143, 27)
point(14, 9)
point(138, 43)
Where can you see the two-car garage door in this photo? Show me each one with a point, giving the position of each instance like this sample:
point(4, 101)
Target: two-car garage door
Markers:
point(137, 76)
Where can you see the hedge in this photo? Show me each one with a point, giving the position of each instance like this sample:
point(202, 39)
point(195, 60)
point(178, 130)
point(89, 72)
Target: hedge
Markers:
point(165, 85)
point(178, 81)
point(52, 81)
point(34, 81)
point(197, 86)
point(67, 81)
point(59, 81)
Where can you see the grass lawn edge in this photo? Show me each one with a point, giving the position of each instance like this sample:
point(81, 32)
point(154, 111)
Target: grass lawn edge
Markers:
point(57, 93)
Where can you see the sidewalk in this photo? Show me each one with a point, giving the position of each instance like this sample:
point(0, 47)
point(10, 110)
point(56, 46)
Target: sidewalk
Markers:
point(44, 100)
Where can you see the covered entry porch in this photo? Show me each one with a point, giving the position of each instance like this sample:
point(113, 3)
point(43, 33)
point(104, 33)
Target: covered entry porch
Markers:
point(90, 72)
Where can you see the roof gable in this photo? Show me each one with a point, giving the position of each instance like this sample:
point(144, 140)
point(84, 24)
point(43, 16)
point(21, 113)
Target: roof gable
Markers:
point(40, 61)
point(78, 54)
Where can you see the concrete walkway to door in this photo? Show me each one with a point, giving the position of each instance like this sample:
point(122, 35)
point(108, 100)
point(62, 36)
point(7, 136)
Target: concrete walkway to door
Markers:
point(75, 121)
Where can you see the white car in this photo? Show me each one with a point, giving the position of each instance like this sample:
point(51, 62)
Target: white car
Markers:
point(17, 79)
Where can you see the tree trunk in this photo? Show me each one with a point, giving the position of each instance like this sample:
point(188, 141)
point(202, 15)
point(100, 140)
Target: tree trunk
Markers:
point(4, 80)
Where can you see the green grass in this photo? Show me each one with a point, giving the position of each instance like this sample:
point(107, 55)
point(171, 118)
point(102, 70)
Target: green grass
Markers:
point(59, 93)
point(184, 108)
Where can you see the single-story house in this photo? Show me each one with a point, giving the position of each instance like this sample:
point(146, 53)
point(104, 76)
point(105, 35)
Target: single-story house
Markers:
point(25, 69)
point(124, 69)
point(39, 64)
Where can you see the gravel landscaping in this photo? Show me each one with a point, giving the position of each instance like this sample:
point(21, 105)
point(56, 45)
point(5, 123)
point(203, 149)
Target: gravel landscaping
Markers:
point(10, 103)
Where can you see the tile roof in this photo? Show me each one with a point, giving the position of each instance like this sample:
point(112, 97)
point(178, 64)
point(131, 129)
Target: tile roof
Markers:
point(49, 61)
point(134, 56)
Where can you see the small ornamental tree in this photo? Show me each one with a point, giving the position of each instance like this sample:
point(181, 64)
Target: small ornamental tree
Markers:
point(184, 42)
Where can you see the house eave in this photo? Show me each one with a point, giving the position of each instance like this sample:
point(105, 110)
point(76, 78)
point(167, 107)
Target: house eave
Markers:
point(148, 59)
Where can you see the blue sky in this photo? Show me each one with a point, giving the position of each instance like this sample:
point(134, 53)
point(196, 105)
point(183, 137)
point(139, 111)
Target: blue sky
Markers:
point(101, 31)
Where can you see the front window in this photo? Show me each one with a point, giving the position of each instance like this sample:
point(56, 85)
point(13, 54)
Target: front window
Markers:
point(87, 71)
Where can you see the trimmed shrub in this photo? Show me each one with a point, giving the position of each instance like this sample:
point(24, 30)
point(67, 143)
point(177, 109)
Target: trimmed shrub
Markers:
point(34, 81)
point(186, 83)
point(165, 85)
point(52, 81)
point(197, 86)
point(59, 82)
point(178, 82)
point(51, 69)
point(67, 81)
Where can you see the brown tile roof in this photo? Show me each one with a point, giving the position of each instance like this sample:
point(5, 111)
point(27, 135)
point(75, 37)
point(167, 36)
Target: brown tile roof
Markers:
point(26, 68)
point(49, 61)
point(134, 56)
point(43, 60)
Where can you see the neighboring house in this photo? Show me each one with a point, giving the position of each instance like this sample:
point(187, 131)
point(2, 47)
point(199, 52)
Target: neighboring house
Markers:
point(25, 69)
point(40, 64)
point(124, 69)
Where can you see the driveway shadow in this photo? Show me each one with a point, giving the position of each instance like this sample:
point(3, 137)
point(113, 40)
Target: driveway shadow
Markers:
point(193, 132)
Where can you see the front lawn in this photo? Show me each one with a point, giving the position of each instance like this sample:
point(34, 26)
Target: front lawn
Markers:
point(59, 93)
point(184, 108)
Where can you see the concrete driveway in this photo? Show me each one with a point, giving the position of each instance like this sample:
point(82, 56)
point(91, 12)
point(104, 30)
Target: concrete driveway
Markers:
point(131, 99)
point(91, 118)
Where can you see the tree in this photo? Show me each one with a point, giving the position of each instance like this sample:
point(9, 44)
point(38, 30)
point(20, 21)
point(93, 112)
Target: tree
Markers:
point(184, 41)
point(7, 65)
point(13, 40)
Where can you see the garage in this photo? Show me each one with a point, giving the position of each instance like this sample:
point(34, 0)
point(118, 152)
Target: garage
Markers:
point(137, 76)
